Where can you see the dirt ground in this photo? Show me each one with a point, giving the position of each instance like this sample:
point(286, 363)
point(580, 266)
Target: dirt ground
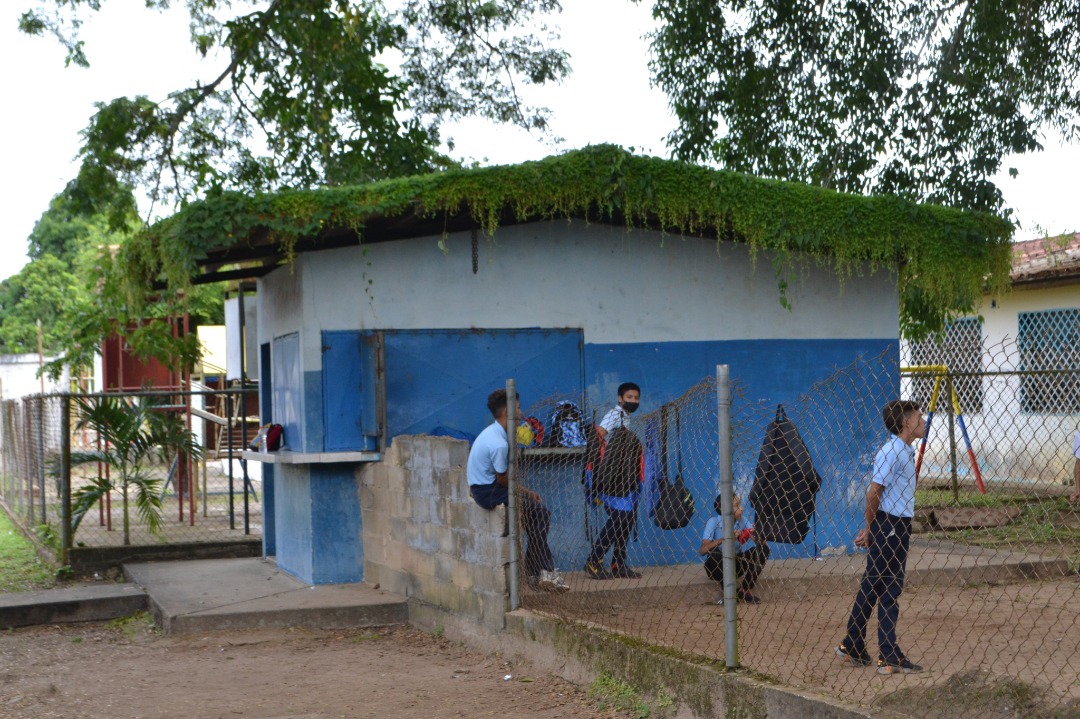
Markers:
point(128, 670)
point(982, 637)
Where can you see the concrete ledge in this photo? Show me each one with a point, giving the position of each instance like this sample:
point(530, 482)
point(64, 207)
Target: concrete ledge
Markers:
point(700, 689)
point(326, 617)
point(87, 560)
point(91, 603)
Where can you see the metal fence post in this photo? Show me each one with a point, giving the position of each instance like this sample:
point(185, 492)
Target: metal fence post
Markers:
point(41, 459)
point(727, 491)
point(511, 489)
point(229, 434)
point(66, 539)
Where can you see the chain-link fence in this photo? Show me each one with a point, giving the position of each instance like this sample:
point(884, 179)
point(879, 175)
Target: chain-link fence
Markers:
point(989, 600)
point(131, 469)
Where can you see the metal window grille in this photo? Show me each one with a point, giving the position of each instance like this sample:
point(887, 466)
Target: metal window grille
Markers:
point(961, 350)
point(1047, 340)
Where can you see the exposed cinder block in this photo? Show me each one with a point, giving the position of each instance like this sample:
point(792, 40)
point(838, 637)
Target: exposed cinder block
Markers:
point(444, 568)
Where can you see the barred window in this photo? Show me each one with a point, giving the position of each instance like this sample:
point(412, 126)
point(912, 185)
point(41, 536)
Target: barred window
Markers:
point(960, 349)
point(1049, 340)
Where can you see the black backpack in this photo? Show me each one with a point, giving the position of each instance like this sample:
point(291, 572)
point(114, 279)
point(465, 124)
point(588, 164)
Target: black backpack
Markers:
point(786, 484)
point(674, 506)
point(619, 471)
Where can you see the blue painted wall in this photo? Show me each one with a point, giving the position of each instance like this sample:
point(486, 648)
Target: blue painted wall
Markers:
point(442, 378)
point(292, 519)
point(769, 372)
point(319, 529)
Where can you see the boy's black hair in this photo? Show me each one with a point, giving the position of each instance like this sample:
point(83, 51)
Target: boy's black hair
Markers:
point(626, 387)
point(894, 412)
point(718, 507)
point(496, 402)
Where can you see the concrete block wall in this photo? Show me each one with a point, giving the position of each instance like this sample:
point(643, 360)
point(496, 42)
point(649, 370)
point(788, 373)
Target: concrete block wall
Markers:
point(424, 536)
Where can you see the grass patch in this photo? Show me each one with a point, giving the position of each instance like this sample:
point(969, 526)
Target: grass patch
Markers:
point(1046, 525)
point(610, 693)
point(1039, 527)
point(21, 570)
point(978, 694)
point(967, 497)
point(133, 624)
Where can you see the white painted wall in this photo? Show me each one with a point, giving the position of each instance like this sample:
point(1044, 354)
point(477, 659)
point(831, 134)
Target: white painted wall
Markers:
point(18, 377)
point(619, 286)
point(1010, 444)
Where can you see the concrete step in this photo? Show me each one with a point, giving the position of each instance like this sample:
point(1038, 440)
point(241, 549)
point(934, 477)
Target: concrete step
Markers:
point(89, 603)
point(205, 595)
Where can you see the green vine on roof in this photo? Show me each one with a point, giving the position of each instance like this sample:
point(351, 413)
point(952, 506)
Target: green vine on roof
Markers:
point(946, 259)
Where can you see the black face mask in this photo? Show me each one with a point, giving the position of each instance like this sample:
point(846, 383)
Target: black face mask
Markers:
point(630, 407)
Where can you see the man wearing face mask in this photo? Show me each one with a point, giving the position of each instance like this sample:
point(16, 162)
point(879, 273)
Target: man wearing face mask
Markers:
point(622, 510)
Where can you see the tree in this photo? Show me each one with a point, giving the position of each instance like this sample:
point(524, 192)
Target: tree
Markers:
point(135, 432)
point(45, 289)
point(918, 99)
point(68, 285)
point(306, 80)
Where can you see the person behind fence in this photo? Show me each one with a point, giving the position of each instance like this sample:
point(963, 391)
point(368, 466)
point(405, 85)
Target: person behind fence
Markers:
point(615, 482)
point(749, 560)
point(890, 506)
point(486, 472)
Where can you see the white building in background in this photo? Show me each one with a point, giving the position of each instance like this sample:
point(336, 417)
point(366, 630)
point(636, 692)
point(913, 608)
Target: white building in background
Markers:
point(18, 377)
point(1022, 412)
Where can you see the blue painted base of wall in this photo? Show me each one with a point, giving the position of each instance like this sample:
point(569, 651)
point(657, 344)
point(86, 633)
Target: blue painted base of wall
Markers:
point(319, 535)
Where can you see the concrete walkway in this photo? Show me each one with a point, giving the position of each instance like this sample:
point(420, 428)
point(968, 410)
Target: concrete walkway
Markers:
point(209, 594)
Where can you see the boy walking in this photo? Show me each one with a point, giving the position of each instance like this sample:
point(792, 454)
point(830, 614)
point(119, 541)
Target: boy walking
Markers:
point(622, 449)
point(890, 506)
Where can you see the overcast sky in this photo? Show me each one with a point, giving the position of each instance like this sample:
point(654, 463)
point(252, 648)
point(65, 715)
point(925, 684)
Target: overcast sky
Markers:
point(607, 99)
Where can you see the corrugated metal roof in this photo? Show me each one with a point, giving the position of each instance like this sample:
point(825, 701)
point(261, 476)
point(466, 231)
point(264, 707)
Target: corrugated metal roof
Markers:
point(1049, 258)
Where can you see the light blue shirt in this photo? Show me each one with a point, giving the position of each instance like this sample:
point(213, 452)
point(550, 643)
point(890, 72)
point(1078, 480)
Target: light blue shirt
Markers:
point(714, 530)
point(894, 469)
point(487, 456)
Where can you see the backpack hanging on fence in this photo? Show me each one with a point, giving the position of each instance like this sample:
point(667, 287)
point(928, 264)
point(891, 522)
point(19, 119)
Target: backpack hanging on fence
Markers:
point(674, 505)
point(785, 484)
point(567, 426)
point(619, 470)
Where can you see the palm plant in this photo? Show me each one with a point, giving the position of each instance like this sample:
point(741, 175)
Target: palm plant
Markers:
point(134, 432)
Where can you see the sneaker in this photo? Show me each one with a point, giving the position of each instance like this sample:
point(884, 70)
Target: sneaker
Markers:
point(857, 659)
point(597, 571)
point(744, 595)
point(624, 572)
point(553, 582)
point(903, 665)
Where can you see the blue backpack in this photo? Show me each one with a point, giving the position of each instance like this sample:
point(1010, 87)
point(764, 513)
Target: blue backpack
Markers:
point(567, 426)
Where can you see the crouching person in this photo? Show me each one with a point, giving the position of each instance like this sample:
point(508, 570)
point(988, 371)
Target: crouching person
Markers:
point(749, 560)
point(486, 472)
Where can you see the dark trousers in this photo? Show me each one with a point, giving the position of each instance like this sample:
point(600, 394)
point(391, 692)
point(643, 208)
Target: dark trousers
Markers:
point(535, 520)
point(748, 565)
point(882, 584)
point(614, 536)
